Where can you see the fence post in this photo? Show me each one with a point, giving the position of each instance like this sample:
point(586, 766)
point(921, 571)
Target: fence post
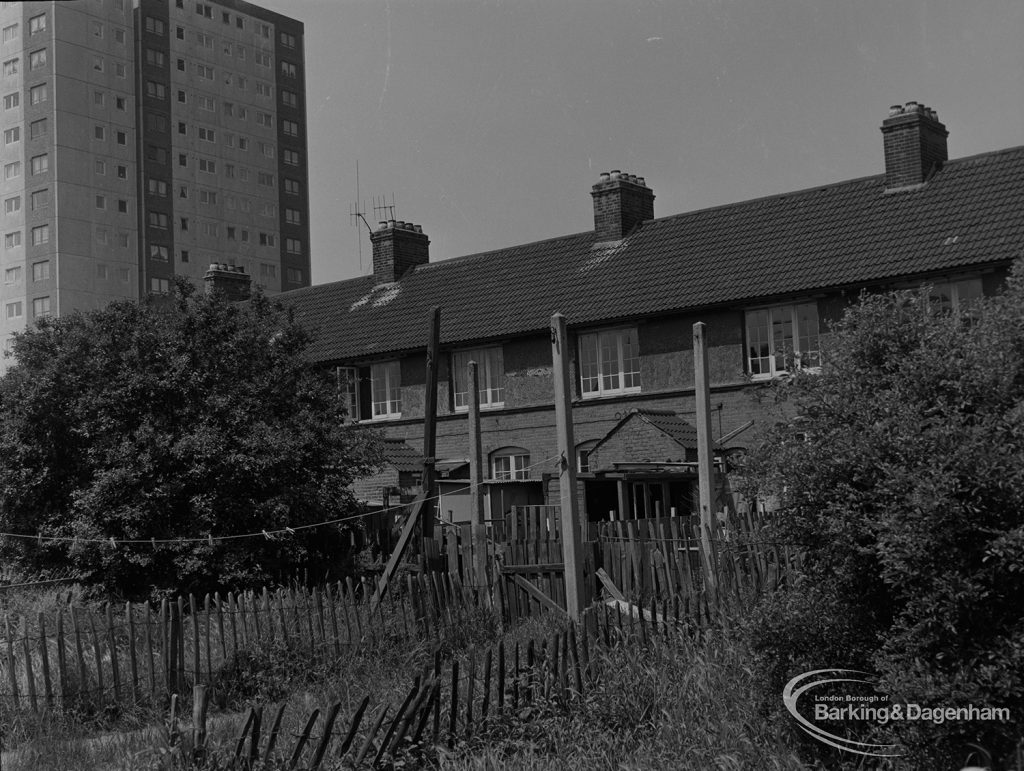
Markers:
point(476, 492)
point(200, 702)
point(705, 451)
point(571, 547)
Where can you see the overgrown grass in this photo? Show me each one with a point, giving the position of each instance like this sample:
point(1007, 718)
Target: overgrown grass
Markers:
point(686, 705)
point(273, 673)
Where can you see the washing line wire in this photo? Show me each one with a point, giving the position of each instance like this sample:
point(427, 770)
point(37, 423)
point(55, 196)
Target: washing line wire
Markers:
point(268, 534)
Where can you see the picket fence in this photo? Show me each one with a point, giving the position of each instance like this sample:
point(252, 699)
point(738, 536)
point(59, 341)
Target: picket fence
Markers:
point(447, 703)
point(663, 557)
point(139, 653)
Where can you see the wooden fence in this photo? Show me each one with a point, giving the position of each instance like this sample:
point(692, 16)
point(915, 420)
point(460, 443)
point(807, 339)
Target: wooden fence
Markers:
point(138, 653)
point(663, 557)
point(448, 702)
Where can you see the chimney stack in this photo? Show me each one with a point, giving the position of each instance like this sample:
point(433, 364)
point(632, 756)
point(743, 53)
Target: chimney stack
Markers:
point(397, 248)
point(915, 145)
point(621, 202)
point(232, 280)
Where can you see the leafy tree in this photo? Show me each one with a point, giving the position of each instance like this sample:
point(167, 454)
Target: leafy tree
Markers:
point(187, 417)
point(901, 475)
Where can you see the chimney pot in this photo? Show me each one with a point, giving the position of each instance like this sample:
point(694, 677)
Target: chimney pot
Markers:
point(605, 176)
point(398, 246)
point(232, 280)
point(619, 208)
point(915, 145)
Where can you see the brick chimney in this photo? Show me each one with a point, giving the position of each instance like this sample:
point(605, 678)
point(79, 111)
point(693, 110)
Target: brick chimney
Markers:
point(915, 145)
point(397, 247)
point(232, 280)
point(621, 202)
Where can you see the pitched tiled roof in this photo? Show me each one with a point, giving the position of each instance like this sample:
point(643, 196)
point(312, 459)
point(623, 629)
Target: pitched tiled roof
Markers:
point(970, 213)
point(673, 426)
point(401, 456)
point(669, 423)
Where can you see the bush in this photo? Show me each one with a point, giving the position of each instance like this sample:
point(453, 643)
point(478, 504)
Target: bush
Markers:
point(901, 476)
point(182, 418)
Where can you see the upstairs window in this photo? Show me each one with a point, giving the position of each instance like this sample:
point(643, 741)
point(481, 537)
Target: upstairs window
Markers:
point(490, 376)
point(510, 463)
point(609, 362)
point(353, 387)
point(955, 296)
point(385, 389)
point(782, 338)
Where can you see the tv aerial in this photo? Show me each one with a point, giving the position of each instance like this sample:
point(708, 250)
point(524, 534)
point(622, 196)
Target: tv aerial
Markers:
point(383, 210)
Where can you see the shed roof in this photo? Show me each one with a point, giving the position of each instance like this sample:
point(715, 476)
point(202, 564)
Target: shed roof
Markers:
point(969, 214)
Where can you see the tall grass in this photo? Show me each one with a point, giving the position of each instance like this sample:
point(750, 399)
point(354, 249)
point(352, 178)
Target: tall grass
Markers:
point(689, 704)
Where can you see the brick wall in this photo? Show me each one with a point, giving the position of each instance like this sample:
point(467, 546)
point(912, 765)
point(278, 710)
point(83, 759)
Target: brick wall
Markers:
point(397, 247)
point(620, 204)
point(915, 144)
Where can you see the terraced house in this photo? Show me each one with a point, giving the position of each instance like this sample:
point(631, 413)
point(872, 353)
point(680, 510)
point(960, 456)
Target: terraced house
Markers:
point(766, 276)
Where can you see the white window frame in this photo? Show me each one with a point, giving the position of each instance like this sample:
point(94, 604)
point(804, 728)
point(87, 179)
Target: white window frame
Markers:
point(583, 450)
point(955, 295)
point(510, 464)
point(348, 380)
point(490, 374)
point(778, 352)
point(386, 390)
point(609, 362)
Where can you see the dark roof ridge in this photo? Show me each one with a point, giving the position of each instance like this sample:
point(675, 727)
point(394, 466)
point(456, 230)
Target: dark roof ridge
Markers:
point(836, 235)
point(829, 185)
point(473, 255)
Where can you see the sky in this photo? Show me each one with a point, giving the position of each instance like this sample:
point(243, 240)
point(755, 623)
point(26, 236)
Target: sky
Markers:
point(488, 121)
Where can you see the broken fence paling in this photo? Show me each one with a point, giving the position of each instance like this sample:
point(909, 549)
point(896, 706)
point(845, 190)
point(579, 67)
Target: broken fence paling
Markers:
point(446, 704)
point(139, 653)
point(663, 557)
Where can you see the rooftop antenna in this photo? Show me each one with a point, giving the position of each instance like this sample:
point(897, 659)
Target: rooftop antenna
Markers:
point(382, 210)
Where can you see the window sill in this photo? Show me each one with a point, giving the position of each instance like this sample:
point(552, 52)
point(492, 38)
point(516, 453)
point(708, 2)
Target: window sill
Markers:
point(483, 407)
point(785, 375)
point(608, 394)
point(382, 418)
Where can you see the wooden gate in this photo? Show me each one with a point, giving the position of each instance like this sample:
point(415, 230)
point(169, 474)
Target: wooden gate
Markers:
point(533, 568)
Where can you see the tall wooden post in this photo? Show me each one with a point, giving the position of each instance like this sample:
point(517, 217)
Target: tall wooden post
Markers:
point(705, 451)
point(572, 547)
point(430, 424)
point(476, 477)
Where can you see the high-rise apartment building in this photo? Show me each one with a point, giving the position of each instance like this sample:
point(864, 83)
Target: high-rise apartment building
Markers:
point(144, 139)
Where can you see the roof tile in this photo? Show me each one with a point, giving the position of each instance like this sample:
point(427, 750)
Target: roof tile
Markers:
point(849, 233)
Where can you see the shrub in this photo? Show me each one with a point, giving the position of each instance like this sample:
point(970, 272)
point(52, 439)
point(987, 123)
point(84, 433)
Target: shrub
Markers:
point(901, 476)
point(183, 418)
